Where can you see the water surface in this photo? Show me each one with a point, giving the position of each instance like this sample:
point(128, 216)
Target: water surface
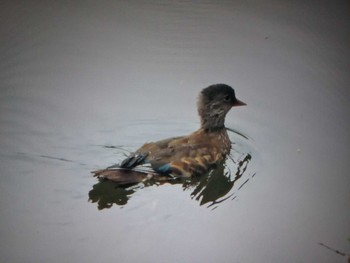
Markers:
point(84, 83)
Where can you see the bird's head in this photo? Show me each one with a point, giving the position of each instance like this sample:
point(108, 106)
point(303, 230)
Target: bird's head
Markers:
point(213, 104)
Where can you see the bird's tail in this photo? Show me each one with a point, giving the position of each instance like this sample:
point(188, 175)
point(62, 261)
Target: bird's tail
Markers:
point(122, 176)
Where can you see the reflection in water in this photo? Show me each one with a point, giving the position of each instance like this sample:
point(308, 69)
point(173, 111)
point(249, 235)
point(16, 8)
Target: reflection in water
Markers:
point(107, 193)
point(212, 188)
point(218, 184)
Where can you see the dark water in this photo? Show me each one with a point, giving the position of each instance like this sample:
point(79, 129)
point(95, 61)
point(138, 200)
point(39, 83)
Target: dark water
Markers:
point(83, 83)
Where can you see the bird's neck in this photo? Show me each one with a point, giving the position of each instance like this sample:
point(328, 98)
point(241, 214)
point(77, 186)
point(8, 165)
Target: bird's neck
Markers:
point(212, 122)
point(212, 114)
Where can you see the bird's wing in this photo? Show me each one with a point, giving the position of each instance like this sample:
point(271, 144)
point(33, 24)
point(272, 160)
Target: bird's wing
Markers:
point(181, 156)
point(145, 153)
point(134, 159)
point(186, 160)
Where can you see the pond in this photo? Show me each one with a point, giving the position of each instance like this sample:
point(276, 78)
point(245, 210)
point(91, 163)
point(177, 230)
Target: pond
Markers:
point(84, 84)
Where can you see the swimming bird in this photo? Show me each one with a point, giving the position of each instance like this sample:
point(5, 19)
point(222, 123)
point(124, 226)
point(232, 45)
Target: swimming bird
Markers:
point(184, 156)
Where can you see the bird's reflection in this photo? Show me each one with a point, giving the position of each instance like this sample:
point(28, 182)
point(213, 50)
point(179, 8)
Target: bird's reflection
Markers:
point(211, 189)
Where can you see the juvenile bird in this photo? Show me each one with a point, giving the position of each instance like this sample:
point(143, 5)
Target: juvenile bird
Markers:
point(184, 156)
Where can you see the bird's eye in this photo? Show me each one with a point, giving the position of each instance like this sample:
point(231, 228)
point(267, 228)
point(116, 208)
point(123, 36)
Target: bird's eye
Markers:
point(227, 98)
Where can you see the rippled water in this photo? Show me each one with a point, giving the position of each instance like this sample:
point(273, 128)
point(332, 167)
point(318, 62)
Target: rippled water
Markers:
point(84, 83)
point(208, 189)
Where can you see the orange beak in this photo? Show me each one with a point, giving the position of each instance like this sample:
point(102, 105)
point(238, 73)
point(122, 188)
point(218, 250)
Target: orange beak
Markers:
point(238, 103)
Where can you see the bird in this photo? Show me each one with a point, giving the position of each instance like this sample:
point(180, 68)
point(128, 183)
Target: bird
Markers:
point(183, 156)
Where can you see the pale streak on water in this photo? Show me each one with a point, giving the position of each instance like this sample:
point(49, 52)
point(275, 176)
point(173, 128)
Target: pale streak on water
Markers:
point(84, 83)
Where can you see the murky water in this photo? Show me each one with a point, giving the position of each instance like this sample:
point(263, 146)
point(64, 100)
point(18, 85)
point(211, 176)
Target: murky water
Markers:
point(84, 83)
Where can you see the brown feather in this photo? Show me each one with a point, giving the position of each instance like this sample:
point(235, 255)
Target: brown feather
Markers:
point(189, 155)
point(121, 176)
